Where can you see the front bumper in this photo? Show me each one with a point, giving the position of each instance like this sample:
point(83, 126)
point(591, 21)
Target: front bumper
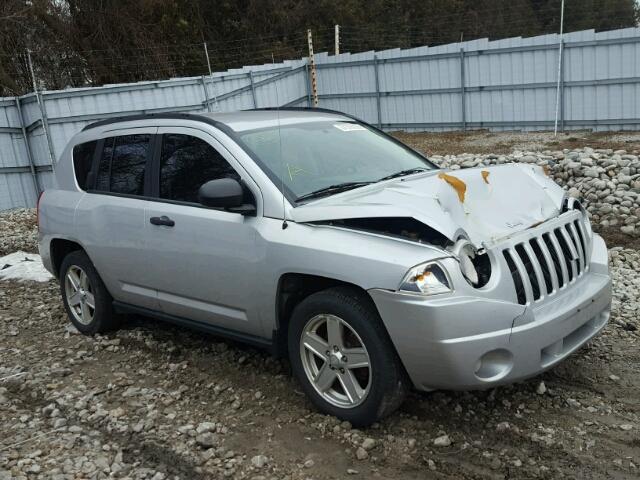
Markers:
point(443, 345)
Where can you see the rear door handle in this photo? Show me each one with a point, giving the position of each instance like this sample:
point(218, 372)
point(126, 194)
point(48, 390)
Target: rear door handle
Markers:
point(163, 220)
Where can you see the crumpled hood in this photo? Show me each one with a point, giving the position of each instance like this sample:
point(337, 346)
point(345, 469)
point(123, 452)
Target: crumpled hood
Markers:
point(483, 204)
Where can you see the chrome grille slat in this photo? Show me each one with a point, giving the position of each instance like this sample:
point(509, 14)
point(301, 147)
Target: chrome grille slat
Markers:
point(572, 250)
point(550, 264)
point(537, 270)
point(561, 259)
point(544, 262)
point(578, 244)
point(546, 238)
point(585, 242)
point(528, 289)
point(515, 276)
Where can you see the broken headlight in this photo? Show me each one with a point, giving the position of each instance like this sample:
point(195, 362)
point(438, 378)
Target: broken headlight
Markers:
point(574, 204)
point(426, 279)
point(475, 266)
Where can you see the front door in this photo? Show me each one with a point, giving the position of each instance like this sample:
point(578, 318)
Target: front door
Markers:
point(204, 261)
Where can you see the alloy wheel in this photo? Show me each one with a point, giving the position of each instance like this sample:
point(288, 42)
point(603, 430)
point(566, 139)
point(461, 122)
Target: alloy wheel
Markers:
point(79, 293)
point(335, 361)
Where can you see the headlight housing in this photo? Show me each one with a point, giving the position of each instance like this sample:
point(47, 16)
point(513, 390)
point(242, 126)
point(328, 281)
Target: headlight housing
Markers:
point(585, 218)
point(475, 266)
point(571, 203)
point(426, 279)
point(466, 255)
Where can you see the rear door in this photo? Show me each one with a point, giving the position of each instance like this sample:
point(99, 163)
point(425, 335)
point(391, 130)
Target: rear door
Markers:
point(110, 218)
point(204, 263)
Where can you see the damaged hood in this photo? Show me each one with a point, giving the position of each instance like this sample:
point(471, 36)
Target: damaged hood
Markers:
point(483, 204)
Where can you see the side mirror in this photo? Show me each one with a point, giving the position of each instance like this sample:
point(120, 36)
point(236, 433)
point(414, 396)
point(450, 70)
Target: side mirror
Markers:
point(221, 193)
point(225, 193)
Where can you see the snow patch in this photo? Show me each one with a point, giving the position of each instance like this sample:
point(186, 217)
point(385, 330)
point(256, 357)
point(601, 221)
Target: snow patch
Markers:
point(23, 266)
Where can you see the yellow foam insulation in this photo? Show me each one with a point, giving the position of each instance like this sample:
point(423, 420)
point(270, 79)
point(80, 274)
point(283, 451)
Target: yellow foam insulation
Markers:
point(458, 185)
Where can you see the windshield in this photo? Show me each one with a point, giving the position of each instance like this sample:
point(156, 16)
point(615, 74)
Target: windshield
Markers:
point(318, 155)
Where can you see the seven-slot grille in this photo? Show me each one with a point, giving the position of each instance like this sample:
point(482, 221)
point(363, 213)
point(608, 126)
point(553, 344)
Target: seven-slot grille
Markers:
point(543, 264)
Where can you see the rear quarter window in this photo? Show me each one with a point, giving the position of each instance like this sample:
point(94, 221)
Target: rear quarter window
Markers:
point(82, 160)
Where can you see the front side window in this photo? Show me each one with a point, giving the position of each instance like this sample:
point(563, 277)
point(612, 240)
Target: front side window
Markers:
point(186, 163)
point(82, 161)
point(311, 156)
point(123, 164)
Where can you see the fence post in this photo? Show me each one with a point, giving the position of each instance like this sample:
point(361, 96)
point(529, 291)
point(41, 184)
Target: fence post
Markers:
point(253, 89)
point(377, 79)
point(462, 94)
point(337, 39)
point(312, 63)
point(47, 131)
point(43, 113)
point(558, 87)
point(206, 91)
point(562, 68)
point(308, 80)
point(27, 147)
point(206, 54)
point(207, 101)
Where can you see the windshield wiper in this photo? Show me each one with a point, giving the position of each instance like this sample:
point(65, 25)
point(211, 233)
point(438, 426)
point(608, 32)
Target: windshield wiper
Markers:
point(403, 173)
point(340, 187)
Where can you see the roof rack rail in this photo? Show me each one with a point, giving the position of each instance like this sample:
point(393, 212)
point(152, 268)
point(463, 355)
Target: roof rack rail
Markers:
point(202, 118)
point(146, 116)
point(309, 109)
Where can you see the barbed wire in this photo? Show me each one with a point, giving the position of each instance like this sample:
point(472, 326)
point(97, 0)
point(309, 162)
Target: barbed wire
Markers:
point(597, 6)
point(359, 33)
point(59, 67)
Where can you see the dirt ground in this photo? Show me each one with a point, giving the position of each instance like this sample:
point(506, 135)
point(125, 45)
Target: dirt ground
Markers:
point(159, 402)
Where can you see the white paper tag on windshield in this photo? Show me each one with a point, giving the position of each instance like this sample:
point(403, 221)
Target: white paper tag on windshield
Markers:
point(349, 127)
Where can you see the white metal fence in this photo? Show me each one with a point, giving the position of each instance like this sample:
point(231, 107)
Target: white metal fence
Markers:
point(506, 84)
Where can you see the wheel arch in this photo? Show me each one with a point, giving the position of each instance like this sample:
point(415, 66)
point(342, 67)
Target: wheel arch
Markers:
point(59, 248)
point(293, 288)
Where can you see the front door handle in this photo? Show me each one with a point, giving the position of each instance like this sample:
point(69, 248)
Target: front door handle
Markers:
point(163, 220)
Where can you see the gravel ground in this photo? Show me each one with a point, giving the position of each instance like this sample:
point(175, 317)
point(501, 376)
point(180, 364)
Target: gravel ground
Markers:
point(483, 141)
point(157, 402)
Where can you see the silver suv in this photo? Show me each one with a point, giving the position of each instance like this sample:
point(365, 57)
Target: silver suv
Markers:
point(317, 236)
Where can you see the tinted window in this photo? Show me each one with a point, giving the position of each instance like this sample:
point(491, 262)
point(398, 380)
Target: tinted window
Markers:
point(128, 164)
point(186, 163)
point(104, 168)
point(123, 164)
point(82, 160)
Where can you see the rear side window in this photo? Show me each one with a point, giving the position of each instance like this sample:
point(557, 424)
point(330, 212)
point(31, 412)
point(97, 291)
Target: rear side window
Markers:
point(123, 164)
point(82, 160)
point(104, 167)
point(186, 163)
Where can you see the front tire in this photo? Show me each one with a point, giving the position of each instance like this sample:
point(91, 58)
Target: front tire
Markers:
point(343, 358)
point(86, 299)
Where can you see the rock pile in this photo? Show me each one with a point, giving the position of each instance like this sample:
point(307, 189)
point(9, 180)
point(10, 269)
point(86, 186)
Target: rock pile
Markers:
point(18, 231)
point(606, 181)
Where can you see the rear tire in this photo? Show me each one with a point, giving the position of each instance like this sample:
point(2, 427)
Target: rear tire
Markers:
point(343, 358)
point(86, 300)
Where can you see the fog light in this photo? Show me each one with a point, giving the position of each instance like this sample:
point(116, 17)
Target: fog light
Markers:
point(494, 365)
